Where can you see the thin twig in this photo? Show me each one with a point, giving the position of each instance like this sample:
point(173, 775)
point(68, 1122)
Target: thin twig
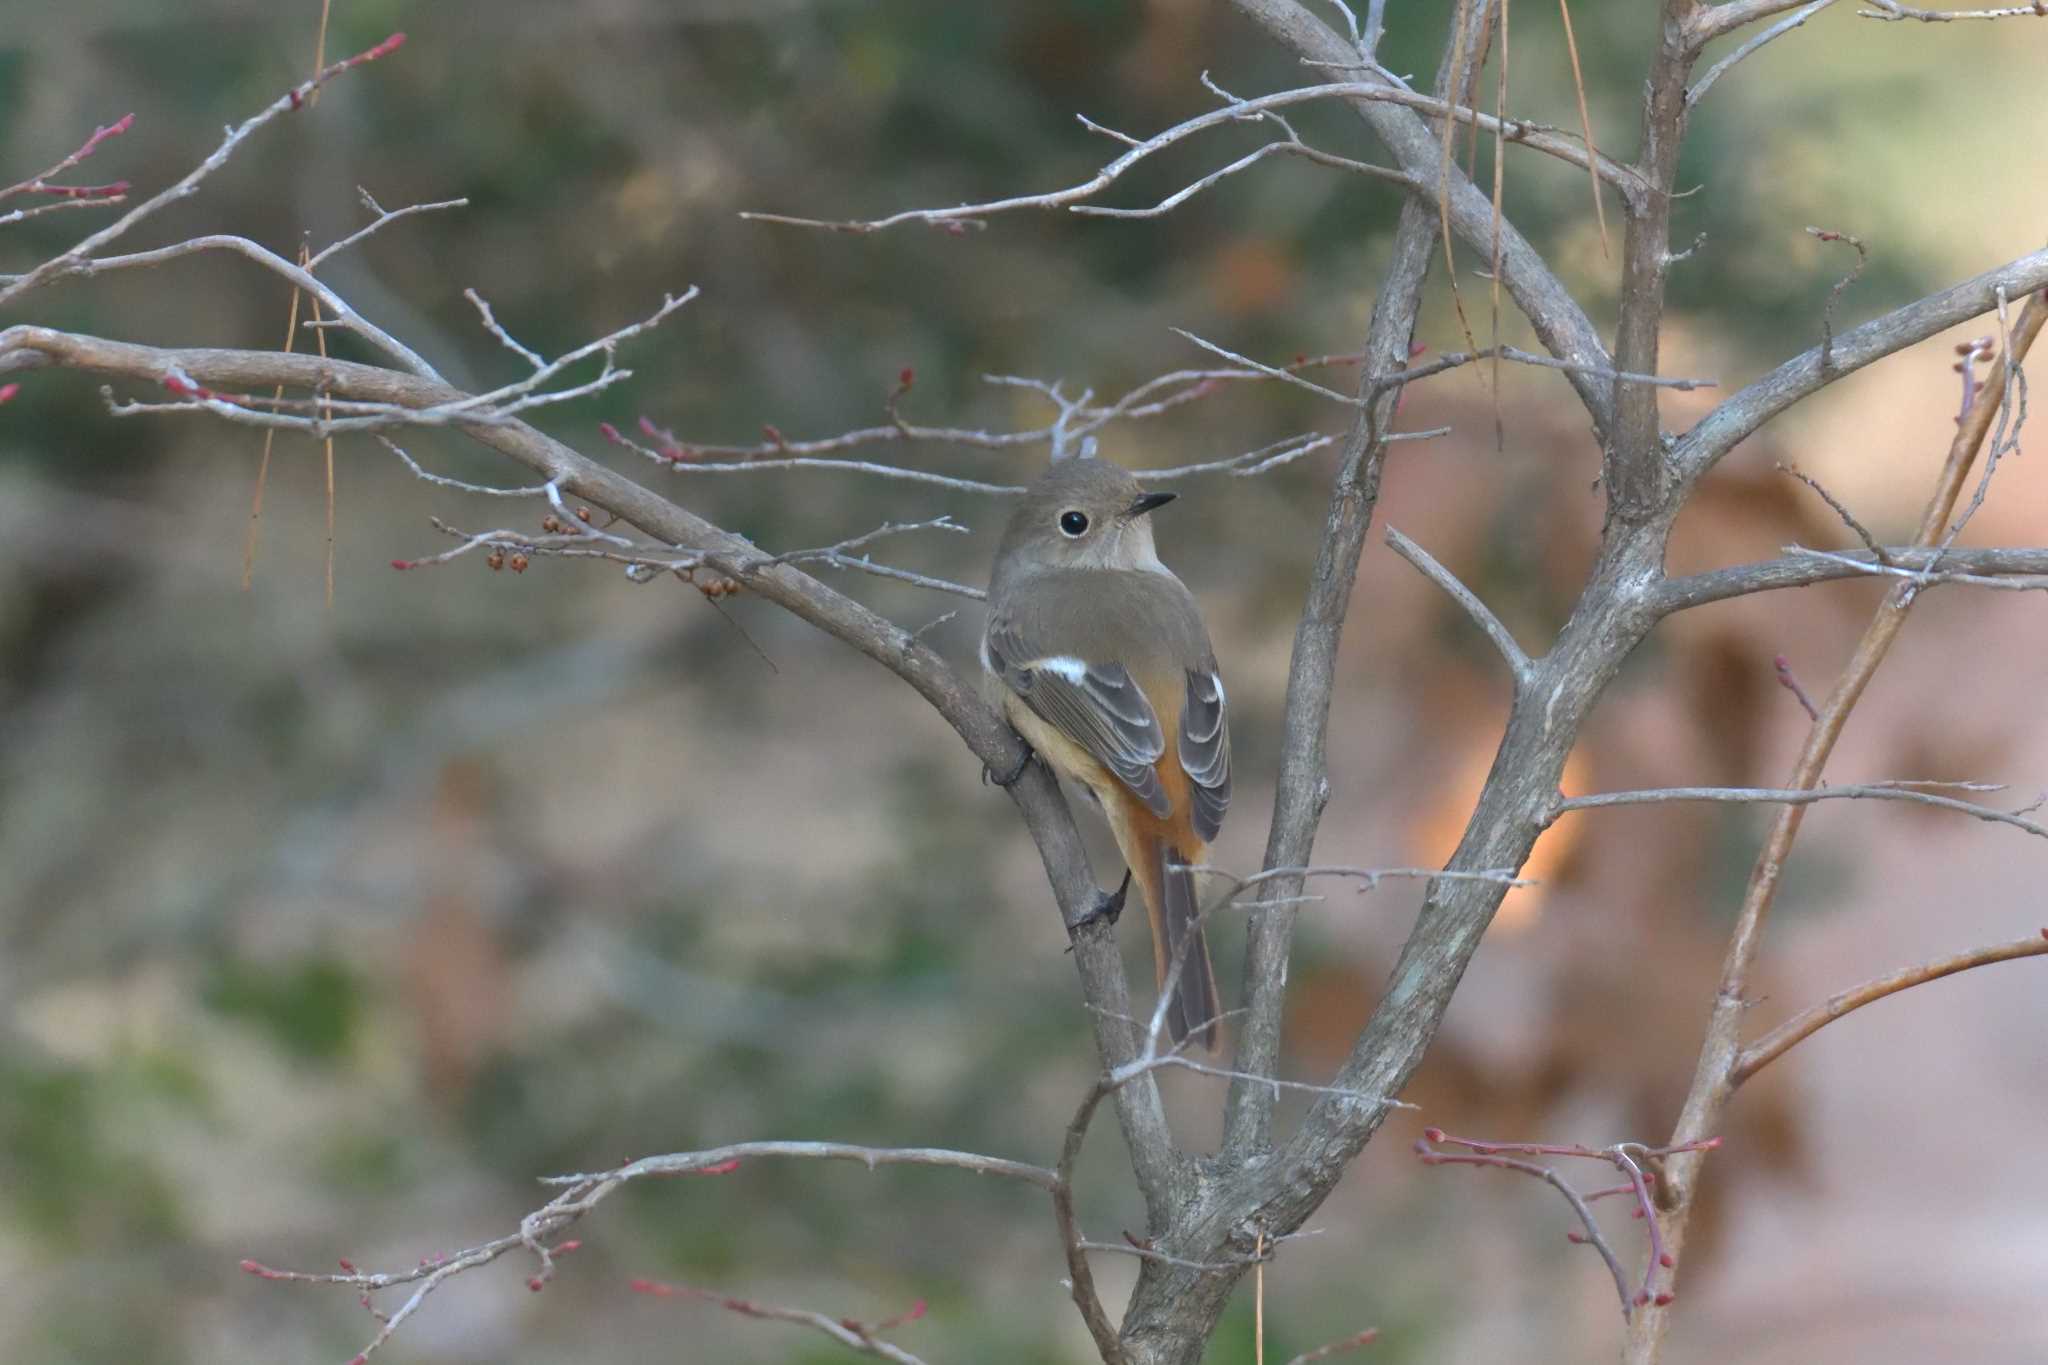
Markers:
point(1802, 567)
point(1805, 796)
point(858, 1336)
point(1783, 668)
point(1891, 12)
point(70, 261)
point(1848, 517)
point(1357, 1339)
point(1827, 314)
point(1489, 624)
point(1592, 1237)
point(383, 219)
point(1811, 1020)
point(1541, 139)
point(1775, 31)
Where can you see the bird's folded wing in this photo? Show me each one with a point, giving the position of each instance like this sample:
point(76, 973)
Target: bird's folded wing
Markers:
point(1097, 705)
point(1205, 750)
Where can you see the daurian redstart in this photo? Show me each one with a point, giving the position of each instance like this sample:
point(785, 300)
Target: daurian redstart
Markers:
point(1103, 665)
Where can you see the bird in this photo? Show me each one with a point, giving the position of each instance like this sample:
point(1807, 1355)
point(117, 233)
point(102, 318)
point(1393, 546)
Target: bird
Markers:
point(1100, 661)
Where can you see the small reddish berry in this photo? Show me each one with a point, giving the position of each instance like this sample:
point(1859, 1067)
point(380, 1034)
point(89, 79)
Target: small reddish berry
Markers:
point(519, 563)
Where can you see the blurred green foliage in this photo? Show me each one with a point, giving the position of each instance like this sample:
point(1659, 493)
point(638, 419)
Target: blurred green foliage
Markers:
point(309, 1009)
point(70, 1177)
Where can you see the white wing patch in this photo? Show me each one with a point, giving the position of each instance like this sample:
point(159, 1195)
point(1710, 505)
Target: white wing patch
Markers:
point(1066, 666)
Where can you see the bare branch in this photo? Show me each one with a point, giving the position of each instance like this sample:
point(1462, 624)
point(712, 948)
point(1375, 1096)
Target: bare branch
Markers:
point(505, 339)
point(1827, 315)
point(1711, 1088)
point(1303, 784)
point(343, 314)
point(1749, 46)
point(1261, 461)
point(1709, 22)
point(1626, 1157)
point(428, 1276)
point(2009, 413)
point(1080, 1275)
point(1592, 1236)
point(1272, 372)
point(72, 260)
point(497, 405)
point(858, 1336)
point(1453, 359)
point(1370, 876)
point(383, 219)
point(1289, 146)
point(1892, 12)
point(1076, 420)
point(1811, 1020)
point(1802, 568)
point(1743, 412)
point(1370, 1334)
point(1489, 624)
point(712, 1158)
point(1806, 796)
point(1074, 197)
point(1848, 517)
point(581, 1193)
point(1921, 578)
point(39, 183)
point(1635, 473)
point(534, 491)
point(839, 557)
point(1448, 361)
point(1782, 667)
point(644, 563)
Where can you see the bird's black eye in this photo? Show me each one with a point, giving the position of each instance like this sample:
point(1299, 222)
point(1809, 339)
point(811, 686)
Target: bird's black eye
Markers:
point(1074, 523)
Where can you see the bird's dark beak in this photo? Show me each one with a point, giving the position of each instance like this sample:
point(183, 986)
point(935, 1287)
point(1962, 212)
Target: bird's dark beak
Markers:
point(1145, 502)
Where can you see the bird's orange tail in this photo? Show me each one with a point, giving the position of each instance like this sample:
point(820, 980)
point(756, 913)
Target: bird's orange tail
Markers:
point(1175, 912)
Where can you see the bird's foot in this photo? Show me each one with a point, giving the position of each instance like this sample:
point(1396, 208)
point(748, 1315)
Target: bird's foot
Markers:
point(1109, 905)
point(1009, 779)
